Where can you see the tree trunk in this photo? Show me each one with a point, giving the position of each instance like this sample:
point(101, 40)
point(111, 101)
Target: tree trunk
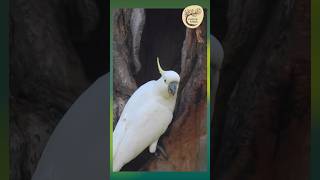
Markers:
point(55, 49)
point(262, 112)
point(179, 49)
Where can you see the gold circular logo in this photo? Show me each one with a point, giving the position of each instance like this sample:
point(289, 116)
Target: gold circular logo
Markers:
point(192, 16)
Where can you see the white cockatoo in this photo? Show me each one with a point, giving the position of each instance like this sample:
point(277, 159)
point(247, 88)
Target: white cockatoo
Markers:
point(145, 117)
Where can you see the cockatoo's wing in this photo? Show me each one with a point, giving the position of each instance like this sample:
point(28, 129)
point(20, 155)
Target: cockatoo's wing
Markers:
point(141, 127)
point(118, 135)
point(78, 149)
point(137, 99)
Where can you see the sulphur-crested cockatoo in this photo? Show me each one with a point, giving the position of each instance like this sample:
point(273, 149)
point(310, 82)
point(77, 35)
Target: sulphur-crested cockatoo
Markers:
point(145, 117)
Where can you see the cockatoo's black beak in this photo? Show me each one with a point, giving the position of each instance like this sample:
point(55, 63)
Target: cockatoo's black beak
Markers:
point(172, 88)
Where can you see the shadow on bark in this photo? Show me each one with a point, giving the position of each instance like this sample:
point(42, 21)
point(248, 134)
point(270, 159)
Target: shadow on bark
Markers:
point(262, 112)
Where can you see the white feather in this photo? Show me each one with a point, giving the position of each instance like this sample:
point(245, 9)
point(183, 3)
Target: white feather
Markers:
point(144, 119)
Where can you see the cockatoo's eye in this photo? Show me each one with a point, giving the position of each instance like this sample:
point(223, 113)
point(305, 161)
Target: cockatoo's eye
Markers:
point(165, 80)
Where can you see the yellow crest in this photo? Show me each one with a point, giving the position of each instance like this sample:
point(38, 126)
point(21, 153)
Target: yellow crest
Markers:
point(159, 67)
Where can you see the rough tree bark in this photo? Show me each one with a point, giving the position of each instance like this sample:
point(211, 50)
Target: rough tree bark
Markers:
point(47, 71)
point(262, 112)
point(185, 141)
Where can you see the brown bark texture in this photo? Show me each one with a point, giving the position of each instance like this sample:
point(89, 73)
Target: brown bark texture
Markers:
point(261, 118)
point(180, 49)
point(56, 49)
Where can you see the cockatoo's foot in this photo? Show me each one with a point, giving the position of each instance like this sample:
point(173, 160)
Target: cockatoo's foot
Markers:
point(161, 153)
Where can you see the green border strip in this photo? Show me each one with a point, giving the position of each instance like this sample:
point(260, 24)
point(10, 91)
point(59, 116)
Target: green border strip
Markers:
point(315, 90)
point(208, 98)
point(160, 175)
point(4, 113)
point(111, 94)
point(157, 3)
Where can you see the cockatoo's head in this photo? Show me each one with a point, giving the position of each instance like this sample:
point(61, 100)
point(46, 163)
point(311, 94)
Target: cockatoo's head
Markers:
point(169, 81)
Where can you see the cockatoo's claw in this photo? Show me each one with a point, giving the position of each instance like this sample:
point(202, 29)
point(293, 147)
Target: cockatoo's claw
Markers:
point(161, 153)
